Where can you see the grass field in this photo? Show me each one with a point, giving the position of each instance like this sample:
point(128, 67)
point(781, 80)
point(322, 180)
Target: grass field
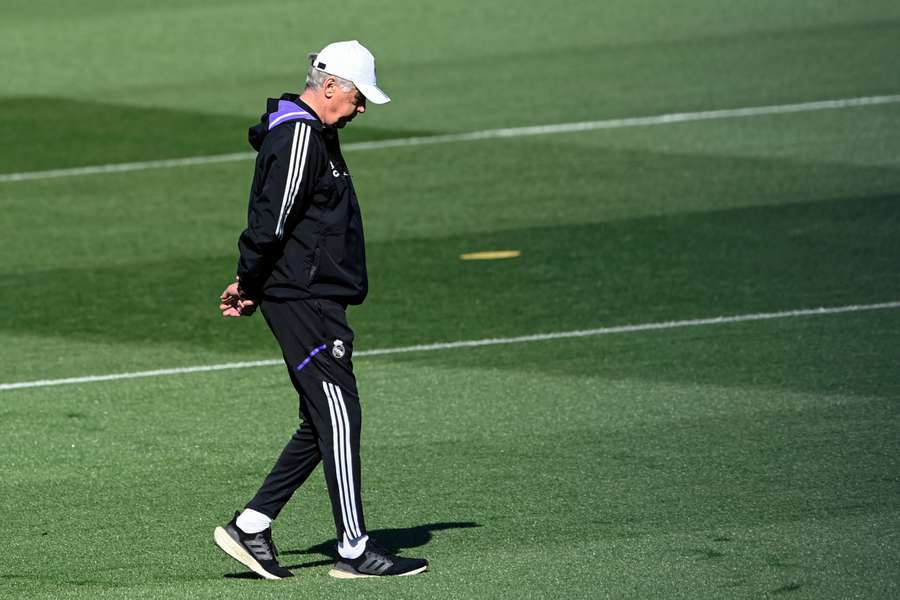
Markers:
point(732, 460)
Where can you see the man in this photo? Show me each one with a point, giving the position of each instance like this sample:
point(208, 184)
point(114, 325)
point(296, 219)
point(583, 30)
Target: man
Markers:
point(302, 261)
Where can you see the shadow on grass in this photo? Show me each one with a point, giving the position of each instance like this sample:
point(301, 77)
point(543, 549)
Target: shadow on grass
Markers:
point(81, 132)
point(394, 540)
point(727, 262)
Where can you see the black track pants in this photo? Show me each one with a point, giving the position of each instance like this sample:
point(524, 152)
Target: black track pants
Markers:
point(317, 345)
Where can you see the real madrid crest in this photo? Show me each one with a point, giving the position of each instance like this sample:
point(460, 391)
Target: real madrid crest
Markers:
point(337, 349)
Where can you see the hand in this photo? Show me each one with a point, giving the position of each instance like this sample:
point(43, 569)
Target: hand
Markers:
point(247, 307)
point(230, 301)
point(234, 304)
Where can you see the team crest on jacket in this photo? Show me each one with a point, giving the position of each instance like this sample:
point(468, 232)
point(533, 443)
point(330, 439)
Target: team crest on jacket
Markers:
point(337, 349)
point(335, 172)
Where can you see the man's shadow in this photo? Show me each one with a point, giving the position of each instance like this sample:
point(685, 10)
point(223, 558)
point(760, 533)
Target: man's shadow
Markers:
point(394, 540)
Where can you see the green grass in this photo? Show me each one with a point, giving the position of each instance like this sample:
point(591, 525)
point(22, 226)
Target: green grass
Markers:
point(622, 455)
point(745, 460)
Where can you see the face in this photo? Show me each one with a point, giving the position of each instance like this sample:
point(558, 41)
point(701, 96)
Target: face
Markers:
point(346, 105)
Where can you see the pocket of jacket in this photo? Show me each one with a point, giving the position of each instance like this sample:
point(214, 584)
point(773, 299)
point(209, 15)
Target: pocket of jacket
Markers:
point(314, 267)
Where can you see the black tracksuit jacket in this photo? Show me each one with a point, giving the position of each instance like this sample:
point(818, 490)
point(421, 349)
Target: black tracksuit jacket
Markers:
point(304, 236)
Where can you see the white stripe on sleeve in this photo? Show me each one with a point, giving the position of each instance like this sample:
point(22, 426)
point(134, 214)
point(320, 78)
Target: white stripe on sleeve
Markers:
point(295, 175)
point(287, 181)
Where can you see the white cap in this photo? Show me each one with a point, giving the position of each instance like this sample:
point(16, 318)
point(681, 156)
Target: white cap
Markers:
point(352, 61)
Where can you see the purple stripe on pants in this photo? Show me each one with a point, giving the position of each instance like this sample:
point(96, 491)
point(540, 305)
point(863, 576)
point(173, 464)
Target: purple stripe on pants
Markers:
point(310, 357)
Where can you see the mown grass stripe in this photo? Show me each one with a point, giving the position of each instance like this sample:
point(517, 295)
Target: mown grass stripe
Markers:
point(510, 132)
point(803, 312)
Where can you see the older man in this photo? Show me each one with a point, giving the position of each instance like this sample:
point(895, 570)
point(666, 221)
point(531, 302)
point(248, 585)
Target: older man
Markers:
point(302, 261)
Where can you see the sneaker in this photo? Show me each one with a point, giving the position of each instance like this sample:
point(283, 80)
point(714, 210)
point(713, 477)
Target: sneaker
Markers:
point(256, 551)
point(376, 561)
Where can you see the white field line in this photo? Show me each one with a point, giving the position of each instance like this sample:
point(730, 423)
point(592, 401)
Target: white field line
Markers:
point(666, 119)
point(804, 312)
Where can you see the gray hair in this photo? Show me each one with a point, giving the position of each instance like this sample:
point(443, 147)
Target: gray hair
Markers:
point(316, 77)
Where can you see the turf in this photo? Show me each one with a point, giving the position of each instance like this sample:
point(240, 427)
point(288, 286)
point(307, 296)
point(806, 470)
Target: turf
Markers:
point(741, 460)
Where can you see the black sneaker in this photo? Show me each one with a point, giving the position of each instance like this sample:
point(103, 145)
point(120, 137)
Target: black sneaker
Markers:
point(253, 550)
point(376, 561)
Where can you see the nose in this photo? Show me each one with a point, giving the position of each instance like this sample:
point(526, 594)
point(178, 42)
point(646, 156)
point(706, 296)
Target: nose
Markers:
point(361, 108)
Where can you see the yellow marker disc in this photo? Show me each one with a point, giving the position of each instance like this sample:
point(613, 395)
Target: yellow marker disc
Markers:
point(491, 255)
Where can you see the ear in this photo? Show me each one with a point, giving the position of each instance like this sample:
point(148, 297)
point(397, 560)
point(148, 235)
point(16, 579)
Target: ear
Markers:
point(329, 87)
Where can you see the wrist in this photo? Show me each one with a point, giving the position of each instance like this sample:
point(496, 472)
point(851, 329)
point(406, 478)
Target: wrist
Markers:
point(248, 288)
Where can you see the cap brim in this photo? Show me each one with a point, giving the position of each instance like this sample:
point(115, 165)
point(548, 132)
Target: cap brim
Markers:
point(373, 93)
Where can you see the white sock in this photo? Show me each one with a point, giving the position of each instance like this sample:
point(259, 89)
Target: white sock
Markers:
point(252, 521)
point(354, 548)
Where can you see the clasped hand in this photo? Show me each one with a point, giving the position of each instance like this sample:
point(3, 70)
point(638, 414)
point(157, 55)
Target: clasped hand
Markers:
point(234, 304)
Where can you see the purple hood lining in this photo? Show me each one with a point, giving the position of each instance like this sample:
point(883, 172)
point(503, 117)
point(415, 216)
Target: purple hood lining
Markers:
point(288, 111)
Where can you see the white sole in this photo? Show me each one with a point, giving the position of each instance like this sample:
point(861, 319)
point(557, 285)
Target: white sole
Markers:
point(235, 551)
point(346, 575)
